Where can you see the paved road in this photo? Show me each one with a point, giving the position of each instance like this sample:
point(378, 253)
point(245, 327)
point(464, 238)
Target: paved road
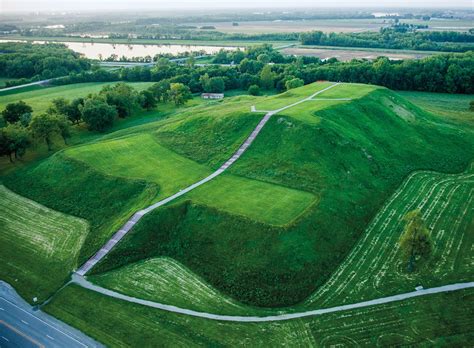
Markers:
point(21, 326)
point(42, 82)
point(86, 267)
point(280, 317)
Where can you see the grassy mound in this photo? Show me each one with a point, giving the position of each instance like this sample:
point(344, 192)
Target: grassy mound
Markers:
point(70, 187)
point(38, 246)
point(355, 155)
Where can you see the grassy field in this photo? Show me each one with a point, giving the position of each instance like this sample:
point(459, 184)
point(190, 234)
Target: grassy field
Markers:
point(449, 106)
point(39, 247)
point(374, 268)
point(257, 200)
point(73, 188)
point(40, 99)
point(167, 281)
point(440, 320)
point(141, 157)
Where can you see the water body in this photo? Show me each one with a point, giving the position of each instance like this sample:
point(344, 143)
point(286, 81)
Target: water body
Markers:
point(105, 50)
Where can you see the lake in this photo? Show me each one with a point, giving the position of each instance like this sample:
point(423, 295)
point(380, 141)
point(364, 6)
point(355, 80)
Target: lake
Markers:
point(105, 50)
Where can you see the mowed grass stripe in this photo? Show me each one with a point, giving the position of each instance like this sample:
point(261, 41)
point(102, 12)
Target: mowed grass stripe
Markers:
point(167, 281)
point(374, 268)
point(39, 247)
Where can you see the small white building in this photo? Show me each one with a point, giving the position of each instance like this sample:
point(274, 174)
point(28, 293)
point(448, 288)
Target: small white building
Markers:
point(212, 95)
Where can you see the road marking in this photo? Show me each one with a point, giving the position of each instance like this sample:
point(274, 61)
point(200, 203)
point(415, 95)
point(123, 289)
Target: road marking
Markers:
point(21, 334)
point(50, 337)
point(44, 322)
point(1, 309)
point(6, 339)
point(24, 322)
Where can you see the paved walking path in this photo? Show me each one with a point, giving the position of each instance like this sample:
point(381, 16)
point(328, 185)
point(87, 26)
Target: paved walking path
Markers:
point(138, 215)
point(42, 82)
point(81, 281)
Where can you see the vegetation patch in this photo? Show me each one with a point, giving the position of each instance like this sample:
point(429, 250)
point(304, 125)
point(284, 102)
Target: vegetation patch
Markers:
point(39, 247)
point(167, 281)
point(73, 188)
point(374, 268)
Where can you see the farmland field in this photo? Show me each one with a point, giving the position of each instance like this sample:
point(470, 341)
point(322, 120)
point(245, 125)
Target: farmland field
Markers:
point(347, 54)
point(39, 247)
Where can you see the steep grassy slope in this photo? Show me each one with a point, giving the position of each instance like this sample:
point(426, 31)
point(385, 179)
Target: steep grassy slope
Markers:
point(439, 320)
point(70, 187)
point(38, 246)
point(352, 159)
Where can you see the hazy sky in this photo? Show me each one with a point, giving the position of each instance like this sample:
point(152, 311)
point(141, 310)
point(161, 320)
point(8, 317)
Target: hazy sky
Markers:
point(65, 5)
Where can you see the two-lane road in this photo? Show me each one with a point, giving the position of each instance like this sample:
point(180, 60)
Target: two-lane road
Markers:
point(21, 326)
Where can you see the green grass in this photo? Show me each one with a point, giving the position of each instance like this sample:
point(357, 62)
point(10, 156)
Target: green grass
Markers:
point(141, 157)
point(268, 103)
point(439, 320)
point(68, 186)
point(449, 106)
point(40, 99)
point(374, 267)
point(167, 281)
point(352, 159)
point(259, 201)
point(39, 247)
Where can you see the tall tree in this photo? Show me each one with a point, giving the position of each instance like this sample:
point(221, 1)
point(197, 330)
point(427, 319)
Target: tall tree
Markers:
point(44, 126)
point(415, 242)
point(14, 139)
point(97, 114)
point(267, 77)
point(14, 111)
point(179, 93)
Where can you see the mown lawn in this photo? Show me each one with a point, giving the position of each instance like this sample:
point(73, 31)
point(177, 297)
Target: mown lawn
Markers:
point(268, 103)
point(257, 200)
point(374, 267)
point(141, 157)
point(39, 247)
point(440, 320)
point(167, 281)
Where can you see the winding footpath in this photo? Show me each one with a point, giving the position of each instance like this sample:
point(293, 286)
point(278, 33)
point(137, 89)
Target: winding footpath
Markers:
point(138, 215)
point(81, 281)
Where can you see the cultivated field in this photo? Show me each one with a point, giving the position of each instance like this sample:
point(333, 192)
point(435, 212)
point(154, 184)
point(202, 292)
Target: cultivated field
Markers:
point(38, 246)
point(352, 53)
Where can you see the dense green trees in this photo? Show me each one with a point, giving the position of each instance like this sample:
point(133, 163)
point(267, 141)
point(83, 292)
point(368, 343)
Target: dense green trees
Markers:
point(267, 77)
point(14, 111)
point(254, 90)
point(394, 37)
point(294, 83)
point(14, 139)
point(97, 114)
point(41, 61)
point(122, 96)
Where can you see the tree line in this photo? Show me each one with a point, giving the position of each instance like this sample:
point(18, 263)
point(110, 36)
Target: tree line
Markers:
point(394, 38)
point(33, 61)
point(448, 73)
